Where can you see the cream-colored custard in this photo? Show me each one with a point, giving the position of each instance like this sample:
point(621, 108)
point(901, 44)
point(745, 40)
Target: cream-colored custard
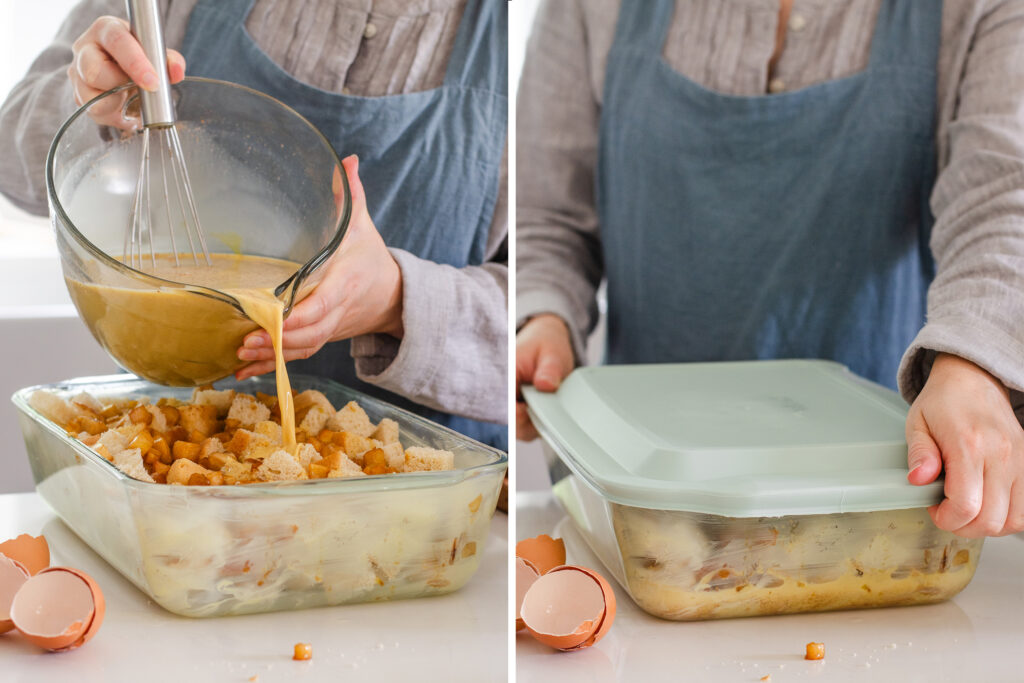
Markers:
point(685, 566)
point(181, 337)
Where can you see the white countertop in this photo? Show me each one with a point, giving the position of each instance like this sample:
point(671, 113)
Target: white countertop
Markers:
point(977, 637)
point(457, 637)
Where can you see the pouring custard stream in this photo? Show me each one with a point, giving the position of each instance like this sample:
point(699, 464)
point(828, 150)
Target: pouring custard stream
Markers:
point(202, 346)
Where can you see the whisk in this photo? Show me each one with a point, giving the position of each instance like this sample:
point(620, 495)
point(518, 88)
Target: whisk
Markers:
point(160, 142)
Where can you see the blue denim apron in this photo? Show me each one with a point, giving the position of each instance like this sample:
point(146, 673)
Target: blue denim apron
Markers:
point(785, 226)
point(429, 160)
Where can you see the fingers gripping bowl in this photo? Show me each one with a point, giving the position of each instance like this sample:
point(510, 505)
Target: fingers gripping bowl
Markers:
point(218, 550)
point(266, 184)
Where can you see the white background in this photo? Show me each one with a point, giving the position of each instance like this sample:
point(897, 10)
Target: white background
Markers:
point(26, 28)
point(41, 337)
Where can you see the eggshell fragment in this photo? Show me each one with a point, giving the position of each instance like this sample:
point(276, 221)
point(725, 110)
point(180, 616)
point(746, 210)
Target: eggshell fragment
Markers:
point(544, 552)
point(58, 608)
point(569, 608)
point(13, 576)
point(31, 551)
point(526, 575)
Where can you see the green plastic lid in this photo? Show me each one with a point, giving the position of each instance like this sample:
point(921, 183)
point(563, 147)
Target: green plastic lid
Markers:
point(740, 439)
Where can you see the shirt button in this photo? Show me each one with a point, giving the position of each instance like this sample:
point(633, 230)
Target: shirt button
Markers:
point(346, 91)
point(797, 22)
point(370, 31)
point(776, 85)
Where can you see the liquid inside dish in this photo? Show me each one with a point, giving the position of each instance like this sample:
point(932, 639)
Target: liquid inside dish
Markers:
point(179, 336)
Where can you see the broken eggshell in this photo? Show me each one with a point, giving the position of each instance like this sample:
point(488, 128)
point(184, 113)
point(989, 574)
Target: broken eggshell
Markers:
point(31, 551)
point(526, 575)
point(13, 576)
point(569, 608)
point(543, 552)
point(59, 608)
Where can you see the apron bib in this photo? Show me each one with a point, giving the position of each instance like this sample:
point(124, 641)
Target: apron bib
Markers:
point(783, 226)
point(429, 160)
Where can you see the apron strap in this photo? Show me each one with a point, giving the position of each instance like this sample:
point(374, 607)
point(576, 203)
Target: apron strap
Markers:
point(480, 55)
point(238, 10)
point(901, 37)
point(644, 23)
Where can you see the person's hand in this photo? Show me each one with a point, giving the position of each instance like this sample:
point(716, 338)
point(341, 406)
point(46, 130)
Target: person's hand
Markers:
point(544, 357)
point(108, 55)
point(360, 293)
point(962, 422)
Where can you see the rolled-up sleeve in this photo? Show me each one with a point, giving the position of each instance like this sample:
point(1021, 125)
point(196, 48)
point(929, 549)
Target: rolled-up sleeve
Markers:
point(454, 353)
point(558, 252)
point(976, 302)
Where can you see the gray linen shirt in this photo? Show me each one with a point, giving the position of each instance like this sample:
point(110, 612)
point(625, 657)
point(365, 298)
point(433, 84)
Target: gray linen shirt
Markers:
point(975, 304)
point(453, 356)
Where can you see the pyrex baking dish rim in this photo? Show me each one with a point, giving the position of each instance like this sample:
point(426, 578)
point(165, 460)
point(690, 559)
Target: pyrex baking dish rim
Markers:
point(367, 484)
point(640, 491)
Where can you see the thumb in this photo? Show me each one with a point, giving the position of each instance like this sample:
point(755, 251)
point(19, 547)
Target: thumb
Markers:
point(351, 164)
point(549, 372)
point(923, 456)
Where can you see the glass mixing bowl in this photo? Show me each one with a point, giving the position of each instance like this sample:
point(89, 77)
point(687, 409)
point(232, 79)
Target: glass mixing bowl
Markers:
point(266, 183)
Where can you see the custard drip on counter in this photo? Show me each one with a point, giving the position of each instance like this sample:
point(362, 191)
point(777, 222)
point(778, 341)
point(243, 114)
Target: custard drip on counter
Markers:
point(125, 315)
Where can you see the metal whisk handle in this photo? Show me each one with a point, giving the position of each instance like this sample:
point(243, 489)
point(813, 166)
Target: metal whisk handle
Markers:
point(144, 17)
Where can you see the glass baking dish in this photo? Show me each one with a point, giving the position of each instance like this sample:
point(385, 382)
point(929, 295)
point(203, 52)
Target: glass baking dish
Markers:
point(714, 490)
point(210, 551)
point(688, 566)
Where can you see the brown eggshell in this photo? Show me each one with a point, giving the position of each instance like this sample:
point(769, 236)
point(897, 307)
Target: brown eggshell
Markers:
point(569, 608)
point(13, 576)
point(609, 605)
point(58, 608)
point(31, 551)
point(526, 574)
point(99, 605)
point(544, 552)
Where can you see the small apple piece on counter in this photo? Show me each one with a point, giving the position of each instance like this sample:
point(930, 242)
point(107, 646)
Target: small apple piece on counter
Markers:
point(815, 651)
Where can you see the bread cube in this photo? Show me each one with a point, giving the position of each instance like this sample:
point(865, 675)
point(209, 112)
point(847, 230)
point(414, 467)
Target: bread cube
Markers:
point(351, 418)
point(248, 411)
point(86, 400)
point(198, 418)
point(130, 462)
point(354, 445)
point(394, 455)
point(159, 421)
point(309, 398)
point(421, 459)
point(54, 408)
point(220, 400)
point(240, 471)
point(271, 430)
point(182, 470)
point(345, 468)
point(386, 432)
point(280, 466)
point(248, 445)
point(114, 441)
point(210, 446)
point(305, 454)
point(315, 419)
